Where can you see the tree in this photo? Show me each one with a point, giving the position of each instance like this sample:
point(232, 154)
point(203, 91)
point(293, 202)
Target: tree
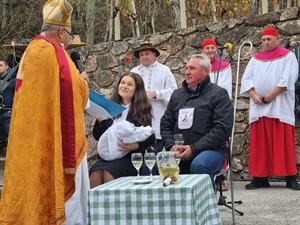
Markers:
point(93, 19)
point(90, 22)
point(19, 20)
point(175, 6)
point(265, 6)
point(255, 7)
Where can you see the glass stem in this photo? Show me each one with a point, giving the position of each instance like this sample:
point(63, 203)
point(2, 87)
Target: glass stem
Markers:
point(138, 172)
point(151, 173)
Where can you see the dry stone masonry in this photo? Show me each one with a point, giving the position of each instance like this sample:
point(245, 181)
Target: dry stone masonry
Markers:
point(102, 62)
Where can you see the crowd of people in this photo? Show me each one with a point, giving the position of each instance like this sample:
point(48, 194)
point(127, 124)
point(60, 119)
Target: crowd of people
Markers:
point(46, 178)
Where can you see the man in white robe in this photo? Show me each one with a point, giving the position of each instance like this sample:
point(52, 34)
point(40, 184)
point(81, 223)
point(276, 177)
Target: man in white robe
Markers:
point(269, 81)
point(159, 84)
point(221, 76)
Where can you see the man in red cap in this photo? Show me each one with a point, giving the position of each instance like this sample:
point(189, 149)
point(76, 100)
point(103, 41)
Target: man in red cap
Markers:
point(224, 77)
point(221, 76)
point(269, 81)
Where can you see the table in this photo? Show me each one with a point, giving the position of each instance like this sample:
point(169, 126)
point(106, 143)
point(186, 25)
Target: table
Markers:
point(190, 201)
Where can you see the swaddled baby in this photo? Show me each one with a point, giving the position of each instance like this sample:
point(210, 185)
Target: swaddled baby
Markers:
point(117, 132)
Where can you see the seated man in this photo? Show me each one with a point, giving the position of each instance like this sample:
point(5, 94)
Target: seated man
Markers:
point(203, 113)
point(7, 91)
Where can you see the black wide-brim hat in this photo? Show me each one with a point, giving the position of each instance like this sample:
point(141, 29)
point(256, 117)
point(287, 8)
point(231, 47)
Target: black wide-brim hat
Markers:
point(145, 46)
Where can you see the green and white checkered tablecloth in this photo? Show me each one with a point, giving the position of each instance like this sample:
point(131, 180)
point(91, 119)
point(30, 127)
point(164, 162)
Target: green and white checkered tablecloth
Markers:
point(190, 201)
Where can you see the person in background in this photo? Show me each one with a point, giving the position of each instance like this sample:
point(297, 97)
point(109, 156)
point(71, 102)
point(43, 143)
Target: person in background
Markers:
point(221, 76)
point(6, 100)
point(203, 113)
point(269, 81)
point(159, 84)
point(224, 79)
point(130, 92)
point(46, 175)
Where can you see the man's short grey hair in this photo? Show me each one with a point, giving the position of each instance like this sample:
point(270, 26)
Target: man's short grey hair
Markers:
point(204, 62)
point(50, 27)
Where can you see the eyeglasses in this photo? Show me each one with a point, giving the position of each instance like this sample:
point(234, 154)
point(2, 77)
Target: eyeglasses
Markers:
point(71, 36)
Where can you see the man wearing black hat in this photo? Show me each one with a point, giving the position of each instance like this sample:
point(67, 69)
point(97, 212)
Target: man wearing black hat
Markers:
point(159, 83)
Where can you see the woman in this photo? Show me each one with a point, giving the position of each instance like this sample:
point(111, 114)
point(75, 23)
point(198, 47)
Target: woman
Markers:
point(130, 92)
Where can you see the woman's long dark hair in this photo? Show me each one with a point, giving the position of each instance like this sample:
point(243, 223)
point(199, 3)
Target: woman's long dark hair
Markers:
point(140, 112)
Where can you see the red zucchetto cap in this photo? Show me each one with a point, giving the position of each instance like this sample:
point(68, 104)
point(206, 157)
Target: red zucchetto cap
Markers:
point(208, 42)
point(270, 31)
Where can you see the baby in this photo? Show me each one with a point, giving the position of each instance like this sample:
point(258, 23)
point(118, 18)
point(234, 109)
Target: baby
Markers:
point(117, 132)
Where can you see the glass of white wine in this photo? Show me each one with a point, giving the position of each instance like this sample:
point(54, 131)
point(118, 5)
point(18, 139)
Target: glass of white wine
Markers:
point(150, 159)
point(137, 161)
point(178, 138)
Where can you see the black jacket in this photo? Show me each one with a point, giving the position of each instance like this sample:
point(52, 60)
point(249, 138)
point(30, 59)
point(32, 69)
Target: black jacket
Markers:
point(8, 93)
point(213, 118)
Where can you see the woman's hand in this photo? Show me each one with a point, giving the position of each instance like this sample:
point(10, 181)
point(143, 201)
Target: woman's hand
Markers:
point(128, 146)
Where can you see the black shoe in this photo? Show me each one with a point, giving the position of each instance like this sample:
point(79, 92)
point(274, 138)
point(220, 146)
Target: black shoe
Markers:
point(258, 182)
point(291, 183)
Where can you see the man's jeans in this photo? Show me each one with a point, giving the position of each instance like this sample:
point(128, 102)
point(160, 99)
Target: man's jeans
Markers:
point(207, 162)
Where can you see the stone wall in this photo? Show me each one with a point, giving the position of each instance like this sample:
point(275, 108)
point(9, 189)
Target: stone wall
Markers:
point(102, 62)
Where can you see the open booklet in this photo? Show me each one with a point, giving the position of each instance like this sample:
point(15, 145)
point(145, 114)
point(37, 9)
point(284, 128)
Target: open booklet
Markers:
point(103, 107)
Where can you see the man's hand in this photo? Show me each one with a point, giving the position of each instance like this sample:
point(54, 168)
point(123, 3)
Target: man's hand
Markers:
point(152, 94)
point(271, 95)
point(257, 99)
point(185, 152)
point(85, 76)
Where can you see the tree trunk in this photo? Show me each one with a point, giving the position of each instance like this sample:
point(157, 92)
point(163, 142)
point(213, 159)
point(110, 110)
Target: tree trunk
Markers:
point(152, 25)
point(153, 16)
point(182, 14)
point(264, 6)
point(255, 7)
point(135, 24)
point(287, 3)
point(214, 11)
point(174, 5)
point(108, 33)
point(90, 22)
point(110, 23)
point(117, 21)
point(4, 15)
point(277, 6)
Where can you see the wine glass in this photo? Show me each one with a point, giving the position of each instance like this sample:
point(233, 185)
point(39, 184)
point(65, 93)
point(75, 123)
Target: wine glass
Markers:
point(178, 138)
point(137, 161)
point(150, 159)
